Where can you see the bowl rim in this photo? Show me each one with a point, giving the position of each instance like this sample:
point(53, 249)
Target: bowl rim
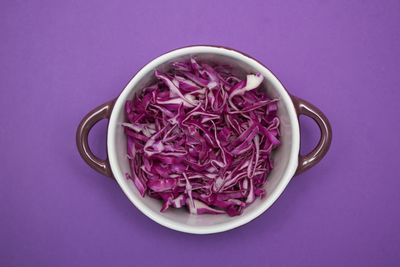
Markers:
point(243, 219)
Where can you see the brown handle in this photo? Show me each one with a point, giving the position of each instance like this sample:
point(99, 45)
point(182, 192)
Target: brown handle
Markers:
point(82, 133)
point(305, 108)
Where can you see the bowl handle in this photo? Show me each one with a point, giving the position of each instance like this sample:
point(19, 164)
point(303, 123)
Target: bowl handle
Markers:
point(94, 116)
point(305, 108)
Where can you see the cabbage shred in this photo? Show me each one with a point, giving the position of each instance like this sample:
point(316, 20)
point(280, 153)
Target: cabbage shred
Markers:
point(200, 137)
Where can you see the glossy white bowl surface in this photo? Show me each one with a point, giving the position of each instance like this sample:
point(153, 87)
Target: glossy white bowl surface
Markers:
point(285, 158)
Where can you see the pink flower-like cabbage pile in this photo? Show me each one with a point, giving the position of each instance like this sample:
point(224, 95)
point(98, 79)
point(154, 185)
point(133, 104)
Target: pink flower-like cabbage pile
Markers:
point(201, 138)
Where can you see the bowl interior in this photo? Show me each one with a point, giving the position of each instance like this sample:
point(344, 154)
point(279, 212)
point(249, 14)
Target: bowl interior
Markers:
point(285, 157)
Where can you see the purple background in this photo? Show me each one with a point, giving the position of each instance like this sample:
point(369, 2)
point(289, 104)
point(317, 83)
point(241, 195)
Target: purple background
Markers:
point(59, 59)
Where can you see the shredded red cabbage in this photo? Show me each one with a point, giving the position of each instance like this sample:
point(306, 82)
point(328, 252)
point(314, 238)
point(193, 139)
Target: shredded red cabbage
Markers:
point(200, 137)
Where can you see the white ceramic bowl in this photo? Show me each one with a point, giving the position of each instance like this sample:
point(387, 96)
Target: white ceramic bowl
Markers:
point(287, 160)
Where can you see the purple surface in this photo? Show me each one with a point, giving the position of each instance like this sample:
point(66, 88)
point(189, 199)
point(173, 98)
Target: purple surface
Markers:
point(59, 60)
